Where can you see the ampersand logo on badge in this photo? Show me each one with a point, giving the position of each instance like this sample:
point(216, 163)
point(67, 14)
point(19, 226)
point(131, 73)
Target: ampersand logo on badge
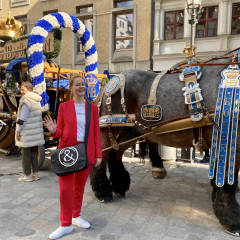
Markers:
point(68, 156)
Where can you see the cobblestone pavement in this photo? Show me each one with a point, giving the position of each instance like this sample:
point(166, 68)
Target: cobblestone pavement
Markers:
point(177, 207)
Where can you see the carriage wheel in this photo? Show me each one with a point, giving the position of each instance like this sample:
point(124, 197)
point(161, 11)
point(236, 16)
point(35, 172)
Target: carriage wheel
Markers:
point(41, 156)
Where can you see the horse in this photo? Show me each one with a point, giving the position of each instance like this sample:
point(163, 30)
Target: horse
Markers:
point(169, 96)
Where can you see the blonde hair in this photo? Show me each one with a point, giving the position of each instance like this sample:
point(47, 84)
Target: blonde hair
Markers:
point(71, 81)
point(27, 85)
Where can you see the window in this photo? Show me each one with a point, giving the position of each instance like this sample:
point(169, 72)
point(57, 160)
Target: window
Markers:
point(87, 19)
point(173, 25)
point(123, 26)
point(84, 9)
point(24, 20)
point(50, 11)
point(123, 3)
point(123, 30)
point(207, 22)
point(236, 18)
point(18, 3)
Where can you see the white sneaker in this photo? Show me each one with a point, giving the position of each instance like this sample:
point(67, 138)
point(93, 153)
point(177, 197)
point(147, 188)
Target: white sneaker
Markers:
point(60, 232)
point(80, 222)
point(35, 177)
point(25, 178)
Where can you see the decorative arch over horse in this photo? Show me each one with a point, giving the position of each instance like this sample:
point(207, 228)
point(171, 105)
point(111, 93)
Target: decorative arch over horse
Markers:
point(35, 48)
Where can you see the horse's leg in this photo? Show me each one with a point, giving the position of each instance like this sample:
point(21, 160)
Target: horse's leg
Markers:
point(100, 182)
point(158, 170)
point(225, 204)
point(119, 176)
point(98, 177)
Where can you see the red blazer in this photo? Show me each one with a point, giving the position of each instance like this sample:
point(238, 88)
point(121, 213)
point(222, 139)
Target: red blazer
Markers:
point(67, 129)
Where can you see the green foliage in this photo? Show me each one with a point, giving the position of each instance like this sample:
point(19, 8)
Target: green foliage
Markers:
point(2, 43)
point(57, 33)
point(16, 39)
point(9, 84)
point(105, 80)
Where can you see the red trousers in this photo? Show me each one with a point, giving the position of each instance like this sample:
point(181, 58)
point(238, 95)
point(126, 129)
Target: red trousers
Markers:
point(71, 189)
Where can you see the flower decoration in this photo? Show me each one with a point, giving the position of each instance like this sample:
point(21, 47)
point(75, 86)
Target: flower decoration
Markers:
point(10, 85)
point(35, 48)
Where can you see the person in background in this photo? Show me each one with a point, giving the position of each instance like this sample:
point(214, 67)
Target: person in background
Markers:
point(133, 151)
point(70, 128)
point(29, 131)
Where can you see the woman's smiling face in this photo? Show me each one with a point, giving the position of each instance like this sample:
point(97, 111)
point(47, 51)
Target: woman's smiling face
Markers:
point(78, 88)
point(23, 90)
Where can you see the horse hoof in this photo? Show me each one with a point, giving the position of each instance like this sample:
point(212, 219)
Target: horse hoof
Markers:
point(233, 233)
point(105, 199)
point(119, 195)
point(159, 174)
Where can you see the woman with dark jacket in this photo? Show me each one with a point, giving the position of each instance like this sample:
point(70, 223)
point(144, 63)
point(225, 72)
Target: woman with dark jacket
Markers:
point(70, 128)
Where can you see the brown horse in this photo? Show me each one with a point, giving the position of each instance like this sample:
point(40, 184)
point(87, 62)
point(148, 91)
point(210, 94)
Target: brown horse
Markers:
point(170, 98)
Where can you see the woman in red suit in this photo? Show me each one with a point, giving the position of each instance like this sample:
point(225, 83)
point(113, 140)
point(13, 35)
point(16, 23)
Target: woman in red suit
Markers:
point(70, 128)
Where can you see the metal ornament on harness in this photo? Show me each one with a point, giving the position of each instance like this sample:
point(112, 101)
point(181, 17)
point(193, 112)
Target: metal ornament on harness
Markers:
point(226, 116)
point(152, 111)
point(192, 92)
point(118, 120)
point(113, 85)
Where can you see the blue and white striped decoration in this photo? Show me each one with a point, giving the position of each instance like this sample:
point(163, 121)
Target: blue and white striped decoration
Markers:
point(233, 143)
point(224, 136)
point(35, 48)
point(226, 116)
point(215, 135)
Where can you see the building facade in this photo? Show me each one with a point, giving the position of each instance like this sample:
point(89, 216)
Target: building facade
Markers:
point(121, 29)
point(217, 31)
